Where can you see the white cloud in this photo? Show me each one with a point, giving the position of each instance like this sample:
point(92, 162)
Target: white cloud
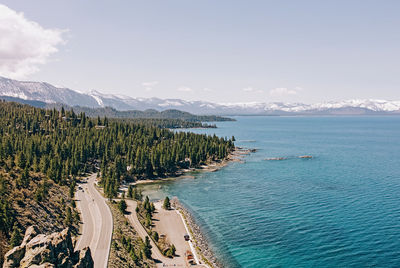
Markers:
point(281, 91)
point(250, 89)
point(206, 89)
point(185, 89)
point(148, 86)
point(24, 44)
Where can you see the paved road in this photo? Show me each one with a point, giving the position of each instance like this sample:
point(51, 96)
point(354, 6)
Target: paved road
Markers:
point(97, 222)
point(160, 259)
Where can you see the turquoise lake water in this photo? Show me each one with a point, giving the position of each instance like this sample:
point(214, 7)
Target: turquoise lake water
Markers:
point(339, 209)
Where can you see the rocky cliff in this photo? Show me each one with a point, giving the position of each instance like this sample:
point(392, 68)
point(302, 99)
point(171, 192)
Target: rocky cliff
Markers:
point(54, 250)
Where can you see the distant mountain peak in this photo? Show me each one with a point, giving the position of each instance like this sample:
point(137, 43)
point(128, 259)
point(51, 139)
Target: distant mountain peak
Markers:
point(45, 92)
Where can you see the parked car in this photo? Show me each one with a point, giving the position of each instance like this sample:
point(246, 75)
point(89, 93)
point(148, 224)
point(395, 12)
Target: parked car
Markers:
point(190, 258)
point(187, 237)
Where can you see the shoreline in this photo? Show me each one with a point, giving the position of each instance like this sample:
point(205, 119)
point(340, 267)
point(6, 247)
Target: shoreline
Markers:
point(200, 242)
point(235, 155)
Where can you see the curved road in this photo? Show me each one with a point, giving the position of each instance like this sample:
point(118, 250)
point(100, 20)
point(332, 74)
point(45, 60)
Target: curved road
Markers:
point(97, 222)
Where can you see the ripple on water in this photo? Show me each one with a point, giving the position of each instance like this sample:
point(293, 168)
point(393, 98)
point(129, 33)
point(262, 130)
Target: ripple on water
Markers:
point(342, 209)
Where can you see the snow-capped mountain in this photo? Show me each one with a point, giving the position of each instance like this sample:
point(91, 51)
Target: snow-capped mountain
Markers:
point(44, 92)
point(346, 106)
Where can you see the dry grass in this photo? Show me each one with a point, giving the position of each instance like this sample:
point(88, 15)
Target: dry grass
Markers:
point(119, 254)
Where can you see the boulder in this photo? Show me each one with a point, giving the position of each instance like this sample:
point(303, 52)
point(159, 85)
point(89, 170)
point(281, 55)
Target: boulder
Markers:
point(54, 250)
point(14, 256)
point(85, 259)
point(44, 265)
point(30, 233)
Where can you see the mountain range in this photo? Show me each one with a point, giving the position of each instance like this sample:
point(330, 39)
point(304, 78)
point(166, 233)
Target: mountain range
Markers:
point(42, 93)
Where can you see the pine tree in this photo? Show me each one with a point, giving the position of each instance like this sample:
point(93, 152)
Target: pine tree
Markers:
point(130, 191)
point(155, 236)
point(68, 218)
point(122, 206)
point(166, 204)
point(147, 248)
point(25, 178)
point(21, 160)
point(72, 190)
point(173, 250)
point(16, 237)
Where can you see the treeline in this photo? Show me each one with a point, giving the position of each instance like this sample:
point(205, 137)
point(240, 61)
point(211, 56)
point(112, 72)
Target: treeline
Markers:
point(167, 123)
point(167, 119)
point(63, 144)
point(146, 114)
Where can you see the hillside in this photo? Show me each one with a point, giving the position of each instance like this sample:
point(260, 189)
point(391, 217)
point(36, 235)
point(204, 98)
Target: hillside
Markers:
point(28, 197)
point(157, 119)
point(42, 152)
point(147, 114)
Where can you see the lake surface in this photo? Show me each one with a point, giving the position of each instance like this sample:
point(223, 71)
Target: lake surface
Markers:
point(339, 209)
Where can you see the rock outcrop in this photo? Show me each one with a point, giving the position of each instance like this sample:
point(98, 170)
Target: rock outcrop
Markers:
point(54, 250)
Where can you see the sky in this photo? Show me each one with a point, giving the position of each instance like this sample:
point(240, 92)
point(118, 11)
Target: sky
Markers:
point(218, 51)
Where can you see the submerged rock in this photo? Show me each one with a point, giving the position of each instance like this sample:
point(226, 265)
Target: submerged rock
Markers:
point(54, 250)
point(275, 158)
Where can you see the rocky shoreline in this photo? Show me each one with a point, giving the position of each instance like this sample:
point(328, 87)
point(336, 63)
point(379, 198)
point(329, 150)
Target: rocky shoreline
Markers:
point(235, 155)
point(199, 240)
